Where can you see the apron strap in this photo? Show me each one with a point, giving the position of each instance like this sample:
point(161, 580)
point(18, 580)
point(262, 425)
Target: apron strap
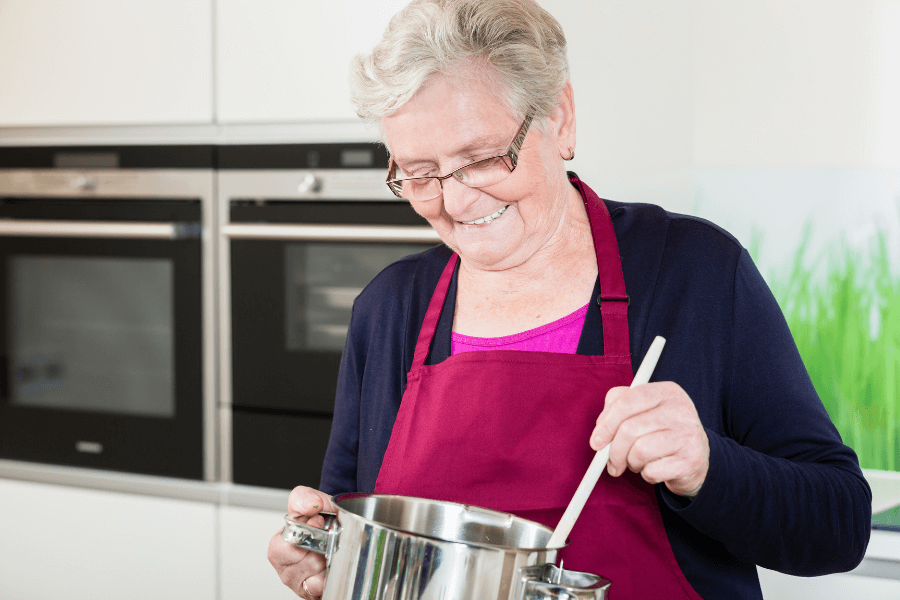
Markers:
point(613, 299)
point(433, 314)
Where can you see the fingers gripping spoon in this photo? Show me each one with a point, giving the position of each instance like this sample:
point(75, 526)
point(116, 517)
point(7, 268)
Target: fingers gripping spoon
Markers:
point(564, 528)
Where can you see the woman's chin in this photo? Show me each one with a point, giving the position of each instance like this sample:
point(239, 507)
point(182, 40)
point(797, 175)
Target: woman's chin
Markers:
point(487, 256)
point(489, 246)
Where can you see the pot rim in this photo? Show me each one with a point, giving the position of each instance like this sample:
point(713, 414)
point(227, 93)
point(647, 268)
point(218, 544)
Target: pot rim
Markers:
point(352, 495)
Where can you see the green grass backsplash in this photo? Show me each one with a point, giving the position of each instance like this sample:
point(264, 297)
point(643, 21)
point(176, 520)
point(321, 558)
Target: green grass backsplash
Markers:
point(843, 309)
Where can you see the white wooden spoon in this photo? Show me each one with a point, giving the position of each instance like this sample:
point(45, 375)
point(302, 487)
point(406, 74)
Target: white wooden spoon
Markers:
point(564, 528)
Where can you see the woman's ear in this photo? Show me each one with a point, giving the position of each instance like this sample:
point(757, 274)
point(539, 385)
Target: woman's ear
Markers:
point(562, 122)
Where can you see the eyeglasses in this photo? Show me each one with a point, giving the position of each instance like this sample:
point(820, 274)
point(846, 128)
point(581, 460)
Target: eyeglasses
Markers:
point(478, 174)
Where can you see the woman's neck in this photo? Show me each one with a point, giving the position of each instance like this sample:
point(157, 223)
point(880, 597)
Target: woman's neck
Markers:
point(553, 282)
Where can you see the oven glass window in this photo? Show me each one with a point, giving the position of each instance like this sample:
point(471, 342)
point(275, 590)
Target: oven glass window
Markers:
point(92, 334)
point(323, 280)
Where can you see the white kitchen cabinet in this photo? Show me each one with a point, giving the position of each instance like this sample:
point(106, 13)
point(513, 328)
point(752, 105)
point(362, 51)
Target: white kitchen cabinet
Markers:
point(102, 62)
point(777, 586)
point(289, 60)
point(243, 539)
point(78, 544)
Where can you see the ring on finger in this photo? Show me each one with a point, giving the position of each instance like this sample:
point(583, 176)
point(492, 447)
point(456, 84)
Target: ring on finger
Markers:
point(306, 589)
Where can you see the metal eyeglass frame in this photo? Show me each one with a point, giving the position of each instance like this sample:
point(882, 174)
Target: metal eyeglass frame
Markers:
point(510, 158)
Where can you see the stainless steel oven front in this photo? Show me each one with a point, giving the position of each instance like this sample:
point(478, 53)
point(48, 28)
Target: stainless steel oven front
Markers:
point(106, 298)
point(305, 228)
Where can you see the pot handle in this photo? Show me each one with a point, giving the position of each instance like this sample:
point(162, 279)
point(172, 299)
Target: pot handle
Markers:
point(549, 582)
point(322, 541)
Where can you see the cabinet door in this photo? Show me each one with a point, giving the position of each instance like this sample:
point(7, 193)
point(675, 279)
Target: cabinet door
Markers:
point(60, 542)
point(289, 60)
point(244, 539)
point(102, 62)
point(778, 586)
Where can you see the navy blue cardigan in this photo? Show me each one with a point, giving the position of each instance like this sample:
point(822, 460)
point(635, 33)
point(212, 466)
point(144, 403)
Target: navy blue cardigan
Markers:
point(782, 490)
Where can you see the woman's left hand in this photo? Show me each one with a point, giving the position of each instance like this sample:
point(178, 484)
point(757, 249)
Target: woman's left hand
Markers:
point(655, 431)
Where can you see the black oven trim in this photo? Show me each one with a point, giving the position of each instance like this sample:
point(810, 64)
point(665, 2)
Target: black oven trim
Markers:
point(186, 156)
point(105, 209)
point(326, 212)
point(299, 156)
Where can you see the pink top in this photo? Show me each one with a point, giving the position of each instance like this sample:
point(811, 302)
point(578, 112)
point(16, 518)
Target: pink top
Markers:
point(560, 336)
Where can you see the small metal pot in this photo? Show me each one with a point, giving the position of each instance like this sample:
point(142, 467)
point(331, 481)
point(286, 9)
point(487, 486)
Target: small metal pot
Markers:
point(381, 547)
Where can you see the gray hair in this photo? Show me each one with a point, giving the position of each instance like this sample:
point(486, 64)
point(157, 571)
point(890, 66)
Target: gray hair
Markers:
point(522, 42)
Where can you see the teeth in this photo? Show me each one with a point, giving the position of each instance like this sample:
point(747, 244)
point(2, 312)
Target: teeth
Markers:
point(488, 218)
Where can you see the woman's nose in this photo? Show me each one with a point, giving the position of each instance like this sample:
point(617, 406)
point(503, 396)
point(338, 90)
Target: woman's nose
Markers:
point(458, 197)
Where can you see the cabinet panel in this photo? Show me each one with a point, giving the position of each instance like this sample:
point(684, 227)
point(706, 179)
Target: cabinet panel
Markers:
point(778, 586)
point(246, 573)
point(99, 62)
point(60, 542)
point(289, 60)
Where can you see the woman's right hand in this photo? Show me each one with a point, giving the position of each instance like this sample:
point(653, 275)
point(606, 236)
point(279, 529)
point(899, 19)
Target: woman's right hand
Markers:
point(302, 570)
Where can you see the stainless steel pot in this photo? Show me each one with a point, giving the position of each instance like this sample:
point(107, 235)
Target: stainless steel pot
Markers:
point(381, 547)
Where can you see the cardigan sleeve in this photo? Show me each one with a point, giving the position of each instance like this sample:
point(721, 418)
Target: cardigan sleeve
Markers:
point(782, 490)
point(340, 467)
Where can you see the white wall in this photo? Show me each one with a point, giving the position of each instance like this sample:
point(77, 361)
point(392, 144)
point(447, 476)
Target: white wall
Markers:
point(796, 122)
point(762, 114)
point(632, 68)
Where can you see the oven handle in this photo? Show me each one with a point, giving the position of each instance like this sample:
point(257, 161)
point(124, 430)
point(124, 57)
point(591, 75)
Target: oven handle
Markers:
point(338, 233)
point(98, 229)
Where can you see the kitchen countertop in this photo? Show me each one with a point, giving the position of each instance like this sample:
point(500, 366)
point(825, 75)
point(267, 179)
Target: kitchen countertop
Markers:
point(885, 489)
point(226, 494)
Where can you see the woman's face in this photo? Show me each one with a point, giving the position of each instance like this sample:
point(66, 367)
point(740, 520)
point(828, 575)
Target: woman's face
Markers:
point(448, 124)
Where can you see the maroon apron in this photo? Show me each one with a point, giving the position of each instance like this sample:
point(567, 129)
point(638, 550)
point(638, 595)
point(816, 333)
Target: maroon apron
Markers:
point(509, 430)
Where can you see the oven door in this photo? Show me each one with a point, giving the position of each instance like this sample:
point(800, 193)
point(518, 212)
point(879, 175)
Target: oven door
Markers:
point(292, 290)
point(102, 334)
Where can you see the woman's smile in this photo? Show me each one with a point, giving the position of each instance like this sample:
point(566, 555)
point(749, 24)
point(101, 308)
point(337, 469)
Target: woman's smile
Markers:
point(487, 219)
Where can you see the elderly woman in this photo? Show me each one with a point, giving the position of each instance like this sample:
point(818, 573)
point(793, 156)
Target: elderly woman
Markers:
point(488, 370)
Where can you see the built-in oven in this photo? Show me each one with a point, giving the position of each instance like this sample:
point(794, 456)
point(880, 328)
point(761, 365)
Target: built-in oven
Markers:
point(106, 308)
point(305, 228)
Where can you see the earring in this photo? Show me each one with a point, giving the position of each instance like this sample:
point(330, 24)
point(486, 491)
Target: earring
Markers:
point(571, 154)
